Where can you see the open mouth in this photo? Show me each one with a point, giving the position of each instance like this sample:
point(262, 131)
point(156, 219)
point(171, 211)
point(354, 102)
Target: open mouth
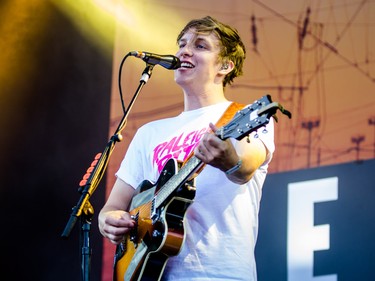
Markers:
point(186, 65)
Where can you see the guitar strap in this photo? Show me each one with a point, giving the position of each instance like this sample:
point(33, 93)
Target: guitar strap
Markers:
point(229, 113)
point(225, 118)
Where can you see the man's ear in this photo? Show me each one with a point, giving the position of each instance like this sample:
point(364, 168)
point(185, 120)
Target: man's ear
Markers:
point(226, 67)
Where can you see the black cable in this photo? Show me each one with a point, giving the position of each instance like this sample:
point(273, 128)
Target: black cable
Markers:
point(119, 82)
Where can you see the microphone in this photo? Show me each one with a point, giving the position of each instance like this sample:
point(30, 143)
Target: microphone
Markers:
point(167, 61)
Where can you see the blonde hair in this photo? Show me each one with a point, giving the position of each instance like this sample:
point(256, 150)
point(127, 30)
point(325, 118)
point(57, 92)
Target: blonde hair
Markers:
point(232, 47)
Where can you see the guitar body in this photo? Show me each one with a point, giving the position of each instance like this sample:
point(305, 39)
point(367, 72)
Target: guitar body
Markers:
point(159, 232)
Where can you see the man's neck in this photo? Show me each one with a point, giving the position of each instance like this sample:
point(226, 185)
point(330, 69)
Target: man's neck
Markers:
point(194, 99)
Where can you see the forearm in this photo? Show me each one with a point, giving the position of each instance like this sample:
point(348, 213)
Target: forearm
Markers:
point(250, 156)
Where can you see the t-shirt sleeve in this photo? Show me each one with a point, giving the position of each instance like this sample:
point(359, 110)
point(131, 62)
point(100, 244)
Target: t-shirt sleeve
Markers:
point(266, 134)
point(132, 166)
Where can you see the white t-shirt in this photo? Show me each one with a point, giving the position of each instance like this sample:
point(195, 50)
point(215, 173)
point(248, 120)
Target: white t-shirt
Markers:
point(221, 225)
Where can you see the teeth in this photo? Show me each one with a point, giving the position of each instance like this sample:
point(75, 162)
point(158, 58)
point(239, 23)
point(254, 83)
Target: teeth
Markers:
point(187, 64)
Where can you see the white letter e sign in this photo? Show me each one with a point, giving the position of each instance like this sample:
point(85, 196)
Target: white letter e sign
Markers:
point(303, 237)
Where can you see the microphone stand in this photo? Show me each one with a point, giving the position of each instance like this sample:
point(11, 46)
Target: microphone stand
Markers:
point(83, 209)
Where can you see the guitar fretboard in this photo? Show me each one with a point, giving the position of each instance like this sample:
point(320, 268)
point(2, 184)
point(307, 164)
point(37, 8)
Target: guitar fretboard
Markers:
point(177, 180)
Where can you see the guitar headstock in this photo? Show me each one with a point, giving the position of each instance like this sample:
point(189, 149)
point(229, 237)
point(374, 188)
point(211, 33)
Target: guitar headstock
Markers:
point(250, 118)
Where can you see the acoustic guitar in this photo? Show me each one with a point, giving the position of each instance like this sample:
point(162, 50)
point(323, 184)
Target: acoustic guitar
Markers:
point(159, 208)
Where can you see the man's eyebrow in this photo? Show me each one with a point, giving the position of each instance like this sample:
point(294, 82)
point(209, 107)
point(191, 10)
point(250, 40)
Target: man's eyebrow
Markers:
point(201, 39)
point(198, 38)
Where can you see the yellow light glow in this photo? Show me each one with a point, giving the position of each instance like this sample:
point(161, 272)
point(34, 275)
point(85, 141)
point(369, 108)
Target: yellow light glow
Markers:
point(21, 35)
point(95, 23)
point(118, 10)
point(100, 20)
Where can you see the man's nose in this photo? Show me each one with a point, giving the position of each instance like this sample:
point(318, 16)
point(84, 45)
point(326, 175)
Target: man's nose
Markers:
point(186, 50)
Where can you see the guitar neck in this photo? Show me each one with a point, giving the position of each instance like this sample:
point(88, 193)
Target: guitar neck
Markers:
point(177, 180)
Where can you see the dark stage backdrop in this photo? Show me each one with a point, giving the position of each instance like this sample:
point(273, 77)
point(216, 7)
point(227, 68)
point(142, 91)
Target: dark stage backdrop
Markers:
point(54, 119)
